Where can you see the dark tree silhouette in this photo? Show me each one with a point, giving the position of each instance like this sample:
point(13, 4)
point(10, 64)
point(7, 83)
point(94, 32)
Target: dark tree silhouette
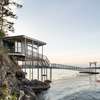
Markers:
point(6, 15)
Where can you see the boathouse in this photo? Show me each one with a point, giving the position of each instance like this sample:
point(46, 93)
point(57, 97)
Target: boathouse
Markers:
point(28, 53)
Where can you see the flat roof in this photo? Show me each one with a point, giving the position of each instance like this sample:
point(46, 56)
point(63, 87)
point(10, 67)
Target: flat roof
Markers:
point(23, 37)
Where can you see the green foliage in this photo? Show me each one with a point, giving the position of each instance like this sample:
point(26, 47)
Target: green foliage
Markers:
point(5, 89)
point(2, 34)
point(14, 97)
point(6, 12)
point(5, 93)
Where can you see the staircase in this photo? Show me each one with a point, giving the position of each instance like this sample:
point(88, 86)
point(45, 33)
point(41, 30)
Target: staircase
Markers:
point(43, 61)
point(39, 60)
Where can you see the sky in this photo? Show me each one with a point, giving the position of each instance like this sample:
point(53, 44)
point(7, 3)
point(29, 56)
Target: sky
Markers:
point(71, 28)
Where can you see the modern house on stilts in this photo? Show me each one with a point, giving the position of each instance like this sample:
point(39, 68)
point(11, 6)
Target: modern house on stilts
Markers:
point(28, 52)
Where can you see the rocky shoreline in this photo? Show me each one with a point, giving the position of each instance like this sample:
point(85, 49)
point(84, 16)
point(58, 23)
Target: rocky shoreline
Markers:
point(13, 83)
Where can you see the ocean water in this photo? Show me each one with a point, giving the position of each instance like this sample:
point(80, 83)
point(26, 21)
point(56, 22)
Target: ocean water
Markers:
point(72, 85)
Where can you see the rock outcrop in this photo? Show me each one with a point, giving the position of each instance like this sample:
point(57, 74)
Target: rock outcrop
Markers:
point(13, 84)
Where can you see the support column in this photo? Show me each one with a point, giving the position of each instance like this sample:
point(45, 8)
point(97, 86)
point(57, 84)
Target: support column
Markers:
point(41, 73)
point(22, 47)
point(30, 73)
point(32, 58)
point(42, 66)
point(25, 53)
point(50, 74)
point(17, 46)
point(46, 73)
point(90, 67)
point(38, 61)
point(95, 63)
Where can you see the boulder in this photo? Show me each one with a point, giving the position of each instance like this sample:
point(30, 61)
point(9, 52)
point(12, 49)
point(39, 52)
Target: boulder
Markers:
point(20, 75)
point(47, 81)
point(13, 82)
point(27, 95)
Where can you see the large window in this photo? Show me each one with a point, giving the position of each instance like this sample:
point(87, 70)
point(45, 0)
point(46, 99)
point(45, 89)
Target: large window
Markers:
point(18, 47)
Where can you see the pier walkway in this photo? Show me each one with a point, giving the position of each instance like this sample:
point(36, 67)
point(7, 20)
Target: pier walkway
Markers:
point(68, 67)
point(65, 67)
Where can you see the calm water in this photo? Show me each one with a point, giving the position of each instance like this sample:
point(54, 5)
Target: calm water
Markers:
point(70, 85)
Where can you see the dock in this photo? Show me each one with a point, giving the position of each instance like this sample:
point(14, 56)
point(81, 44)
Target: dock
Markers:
point(90, 72)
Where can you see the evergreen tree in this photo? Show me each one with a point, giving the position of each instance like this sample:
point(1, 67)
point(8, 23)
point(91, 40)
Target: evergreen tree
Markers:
point(6, 13)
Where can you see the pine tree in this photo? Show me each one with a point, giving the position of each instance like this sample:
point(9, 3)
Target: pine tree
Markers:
point(6, 13)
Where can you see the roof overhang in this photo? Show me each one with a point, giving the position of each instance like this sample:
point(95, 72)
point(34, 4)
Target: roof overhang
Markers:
point(22, 38)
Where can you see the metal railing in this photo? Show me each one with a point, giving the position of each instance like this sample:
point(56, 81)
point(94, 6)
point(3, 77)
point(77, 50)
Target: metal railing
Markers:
point(31, 54)
point(68, 67)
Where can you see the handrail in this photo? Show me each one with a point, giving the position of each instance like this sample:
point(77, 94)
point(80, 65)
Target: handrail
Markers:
point(61, 66)
point(40, 56)
point(29, 53)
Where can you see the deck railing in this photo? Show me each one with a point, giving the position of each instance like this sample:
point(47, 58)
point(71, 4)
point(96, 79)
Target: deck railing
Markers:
point(30, 54)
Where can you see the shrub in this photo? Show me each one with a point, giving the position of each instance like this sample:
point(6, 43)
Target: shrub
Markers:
point(2, 34)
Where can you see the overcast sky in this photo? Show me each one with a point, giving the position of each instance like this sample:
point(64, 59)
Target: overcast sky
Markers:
point(71, 28)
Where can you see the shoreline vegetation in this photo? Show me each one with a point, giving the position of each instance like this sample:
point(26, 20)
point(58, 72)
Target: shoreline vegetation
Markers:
point(13, 83)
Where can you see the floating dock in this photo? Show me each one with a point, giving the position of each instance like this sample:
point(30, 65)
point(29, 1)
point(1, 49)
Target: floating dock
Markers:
point(90, 72)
